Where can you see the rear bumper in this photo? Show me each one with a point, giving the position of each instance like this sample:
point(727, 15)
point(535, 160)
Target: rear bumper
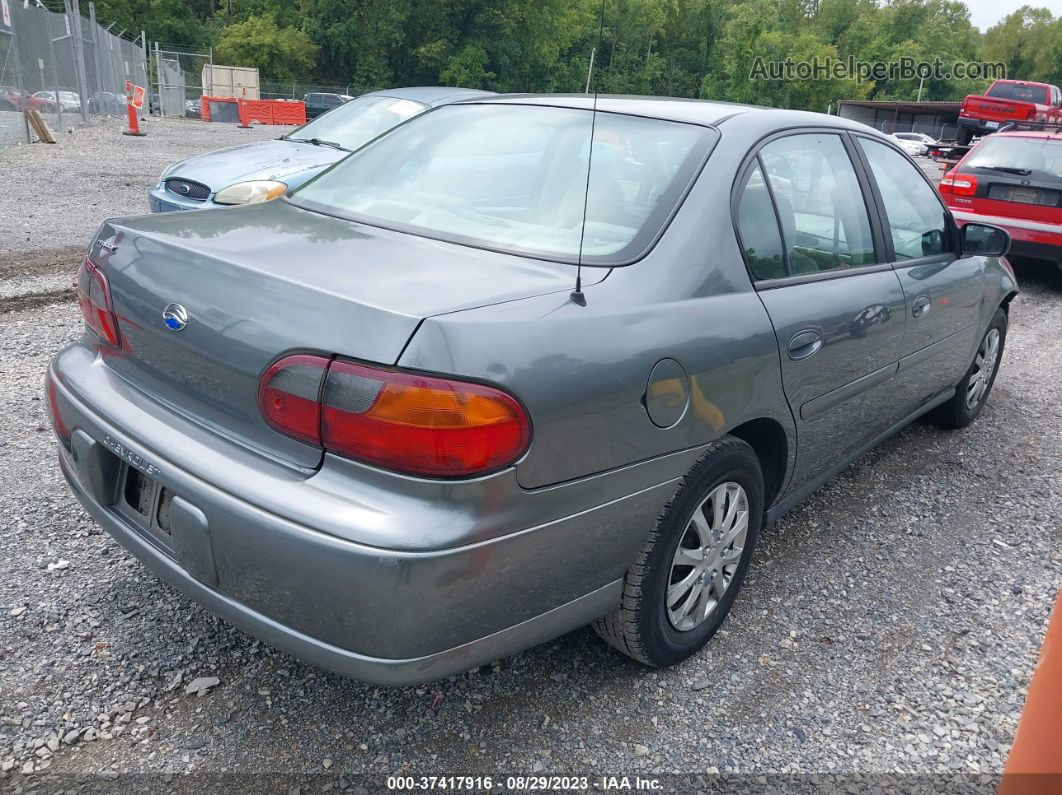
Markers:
point(382, 612)
point(1032, 239)
point(983, 127)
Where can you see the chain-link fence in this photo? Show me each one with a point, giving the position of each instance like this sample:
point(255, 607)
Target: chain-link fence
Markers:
point(65, 65)
point(177, 79)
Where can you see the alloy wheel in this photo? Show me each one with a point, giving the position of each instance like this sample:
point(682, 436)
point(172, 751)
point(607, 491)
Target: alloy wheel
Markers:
point(707, 556)
point(984, 367)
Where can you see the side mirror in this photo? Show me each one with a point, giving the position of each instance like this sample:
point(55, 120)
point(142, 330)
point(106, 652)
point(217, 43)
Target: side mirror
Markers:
point(982, 240)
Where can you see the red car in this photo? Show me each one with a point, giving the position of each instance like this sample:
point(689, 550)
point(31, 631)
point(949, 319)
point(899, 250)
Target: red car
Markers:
point(1008, 102)
point(14, 99)
point(1013, 180)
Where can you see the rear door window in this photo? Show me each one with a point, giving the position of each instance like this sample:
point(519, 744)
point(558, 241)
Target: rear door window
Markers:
point(824, 219)
point(761, 242)
point(917, 219)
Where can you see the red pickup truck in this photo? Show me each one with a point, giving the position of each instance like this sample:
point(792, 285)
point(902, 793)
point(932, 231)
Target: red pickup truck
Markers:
point(1006, 102)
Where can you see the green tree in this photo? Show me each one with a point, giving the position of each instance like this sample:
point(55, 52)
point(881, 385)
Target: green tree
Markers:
point(279, 53)
point(1029, 42)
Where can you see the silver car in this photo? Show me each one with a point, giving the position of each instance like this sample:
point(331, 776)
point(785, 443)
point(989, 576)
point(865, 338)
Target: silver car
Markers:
point(517, 367)
point(264, 170)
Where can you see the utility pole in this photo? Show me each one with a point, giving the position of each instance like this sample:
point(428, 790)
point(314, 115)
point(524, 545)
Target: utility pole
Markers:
point(590, 71)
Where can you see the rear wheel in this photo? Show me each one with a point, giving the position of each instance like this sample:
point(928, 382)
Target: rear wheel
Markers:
point(964, 136)
point(688, 573)
point(972, 391)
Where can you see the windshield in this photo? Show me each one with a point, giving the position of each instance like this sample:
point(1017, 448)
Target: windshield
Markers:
point(514, 178)
point(1038, 156)
point(1017, 92)
point(355, 123)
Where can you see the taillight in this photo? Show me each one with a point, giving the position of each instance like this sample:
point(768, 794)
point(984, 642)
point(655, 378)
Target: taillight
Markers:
point(959, 184)
point(289, 395)
point(60, 426)
point(407, 422)
point(94, 297)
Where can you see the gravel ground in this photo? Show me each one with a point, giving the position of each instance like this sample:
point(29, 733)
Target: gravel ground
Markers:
point(63, 191)
point(889, 626)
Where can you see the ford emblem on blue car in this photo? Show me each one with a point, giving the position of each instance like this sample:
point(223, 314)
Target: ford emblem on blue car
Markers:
point(175, 316)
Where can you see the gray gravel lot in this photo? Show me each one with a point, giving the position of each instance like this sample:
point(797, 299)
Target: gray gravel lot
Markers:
point(56, 195)
point(888, 626)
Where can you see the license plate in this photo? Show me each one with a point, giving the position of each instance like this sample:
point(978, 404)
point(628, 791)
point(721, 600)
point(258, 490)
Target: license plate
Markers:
point(164, 207)
point(139, 492)
point(1025, 195)
point(991, 124)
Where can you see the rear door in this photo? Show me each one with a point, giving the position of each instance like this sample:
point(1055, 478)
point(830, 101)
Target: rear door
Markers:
point(836, 305)
point(943, 292)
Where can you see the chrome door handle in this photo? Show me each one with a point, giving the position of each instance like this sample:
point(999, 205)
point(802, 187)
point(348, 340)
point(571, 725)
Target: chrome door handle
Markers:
point(920, 306)
point(804, 344)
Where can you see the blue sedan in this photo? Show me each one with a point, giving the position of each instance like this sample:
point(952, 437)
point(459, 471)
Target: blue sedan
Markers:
point(264, 170)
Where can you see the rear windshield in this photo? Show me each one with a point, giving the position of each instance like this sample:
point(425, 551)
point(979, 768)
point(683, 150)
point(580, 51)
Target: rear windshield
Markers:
point(514, 178)
point(1038, 157)
point(357, 122)
point(1018, 92)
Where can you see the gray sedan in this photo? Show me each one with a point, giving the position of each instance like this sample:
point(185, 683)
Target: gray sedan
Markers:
point(264, 170)
point(488, 380)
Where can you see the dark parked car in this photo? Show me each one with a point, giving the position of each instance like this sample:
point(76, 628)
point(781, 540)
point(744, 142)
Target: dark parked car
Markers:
point(374, 424)
point(318, 103)
point(108, 103)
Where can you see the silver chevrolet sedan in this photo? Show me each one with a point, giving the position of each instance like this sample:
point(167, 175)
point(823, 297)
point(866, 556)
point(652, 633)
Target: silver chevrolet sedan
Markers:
point(520, 365)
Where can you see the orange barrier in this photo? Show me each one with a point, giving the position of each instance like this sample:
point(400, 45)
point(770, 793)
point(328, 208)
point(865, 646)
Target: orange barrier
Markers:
point(255, 110)
point(289, 112)
point(1034, 766)
point(206, 115)
point(271, 111)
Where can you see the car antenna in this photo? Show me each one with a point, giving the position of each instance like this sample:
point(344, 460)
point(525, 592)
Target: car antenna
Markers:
point(577, 295)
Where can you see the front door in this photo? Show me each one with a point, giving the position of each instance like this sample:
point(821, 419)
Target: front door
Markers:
point(836, 306)
point(943, 291)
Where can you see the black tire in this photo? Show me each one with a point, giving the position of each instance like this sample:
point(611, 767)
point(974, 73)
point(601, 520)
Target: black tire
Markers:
point(964, 136)
point(640, 626)
point(959, 412)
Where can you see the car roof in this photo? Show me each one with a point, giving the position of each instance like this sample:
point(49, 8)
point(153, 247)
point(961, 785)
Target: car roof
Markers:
point(1022, 83)
point(695, 111)
point(431, 95)
point(1044, 134)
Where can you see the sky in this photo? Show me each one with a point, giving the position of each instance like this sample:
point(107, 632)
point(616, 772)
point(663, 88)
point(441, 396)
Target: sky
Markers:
point(986, 13)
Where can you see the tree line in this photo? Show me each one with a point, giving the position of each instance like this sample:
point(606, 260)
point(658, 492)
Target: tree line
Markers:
point(691, 48)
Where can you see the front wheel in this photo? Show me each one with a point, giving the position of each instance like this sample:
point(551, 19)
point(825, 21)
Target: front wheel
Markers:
point(684, 581)
point(972, 391)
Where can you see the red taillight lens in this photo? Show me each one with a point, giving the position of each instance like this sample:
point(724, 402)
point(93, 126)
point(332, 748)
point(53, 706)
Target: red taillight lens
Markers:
point(959, 184)
point(407, 422)
point(289, 396)
point(419, 424)
point(60, 426)
point(94, 297)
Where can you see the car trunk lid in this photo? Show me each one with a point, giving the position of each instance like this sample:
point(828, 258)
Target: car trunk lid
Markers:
point(260, 281)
